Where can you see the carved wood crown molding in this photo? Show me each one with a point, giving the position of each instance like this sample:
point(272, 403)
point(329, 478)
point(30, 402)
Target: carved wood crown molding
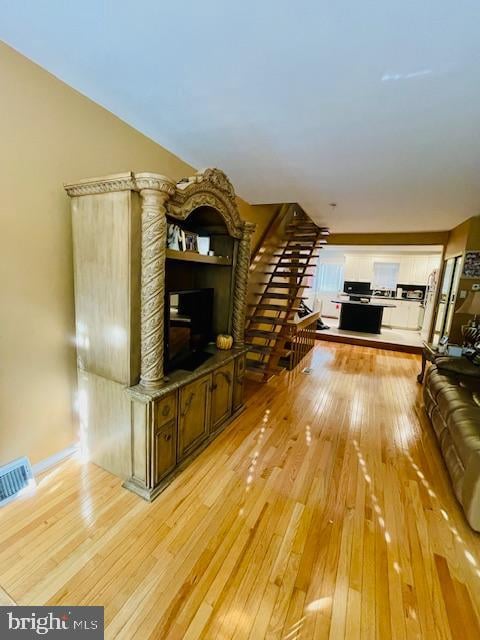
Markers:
point(127, 181)
point(207, 188)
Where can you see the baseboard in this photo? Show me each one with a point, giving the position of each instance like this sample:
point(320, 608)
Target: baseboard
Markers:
point(54, 459)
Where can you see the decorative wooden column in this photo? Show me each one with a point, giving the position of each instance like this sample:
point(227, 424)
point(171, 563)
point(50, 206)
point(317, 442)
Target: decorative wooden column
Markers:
point(155, 191)
point(241, 283)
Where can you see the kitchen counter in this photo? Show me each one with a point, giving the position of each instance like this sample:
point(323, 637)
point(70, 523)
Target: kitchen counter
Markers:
point(403, 299)
point(365, 317)
point(365, 304)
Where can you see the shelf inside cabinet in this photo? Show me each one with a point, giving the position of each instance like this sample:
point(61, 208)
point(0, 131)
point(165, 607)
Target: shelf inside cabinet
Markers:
point(192, 256)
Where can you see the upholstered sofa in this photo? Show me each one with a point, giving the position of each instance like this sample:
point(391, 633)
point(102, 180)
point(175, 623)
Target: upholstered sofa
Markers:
point(452, 401)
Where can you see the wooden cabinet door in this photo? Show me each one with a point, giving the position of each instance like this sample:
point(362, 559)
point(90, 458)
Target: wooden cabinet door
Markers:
point(164, 451)
point(194, 414)
point(238, 383)
point(222, 391)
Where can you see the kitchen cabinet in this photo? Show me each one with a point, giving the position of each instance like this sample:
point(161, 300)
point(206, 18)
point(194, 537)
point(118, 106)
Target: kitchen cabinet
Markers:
point(415, 269)
point(358, 268)
point(400, 314)
point(405, 315)
point(419, 271)
point(405, 273)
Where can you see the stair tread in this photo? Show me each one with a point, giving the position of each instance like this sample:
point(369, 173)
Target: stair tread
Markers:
point(267, 320)
point(260, 333)
point(274, 307)
point(257, 348)
point(291, 264)
point(282, 296)
point(296, 269)
point(285, 285)
point(287, 274)
point(288, 253)
point(302, 234)
point(302, 245)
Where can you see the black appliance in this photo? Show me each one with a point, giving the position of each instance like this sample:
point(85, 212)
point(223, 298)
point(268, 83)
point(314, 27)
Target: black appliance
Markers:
point(356, 289)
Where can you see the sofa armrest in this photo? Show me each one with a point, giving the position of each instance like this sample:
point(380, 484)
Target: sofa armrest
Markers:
point(459, 366)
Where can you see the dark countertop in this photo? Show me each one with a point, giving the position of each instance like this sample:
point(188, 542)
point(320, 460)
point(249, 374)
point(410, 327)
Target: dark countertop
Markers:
point(180, 377)
point(419, 300)
point(364, 304)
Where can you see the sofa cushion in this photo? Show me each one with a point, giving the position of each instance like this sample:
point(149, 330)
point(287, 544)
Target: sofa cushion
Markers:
point(429, 401)
point(453, 462)
point(438, 381)
point(452, 398)
point(460, 366)
point(464, 427)
point(438, 421)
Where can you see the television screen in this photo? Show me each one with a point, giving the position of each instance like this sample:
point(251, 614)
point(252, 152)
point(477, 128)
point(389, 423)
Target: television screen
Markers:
point(188, 328)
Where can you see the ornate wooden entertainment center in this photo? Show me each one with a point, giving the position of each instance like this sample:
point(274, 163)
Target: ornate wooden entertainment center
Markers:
point(135, 421)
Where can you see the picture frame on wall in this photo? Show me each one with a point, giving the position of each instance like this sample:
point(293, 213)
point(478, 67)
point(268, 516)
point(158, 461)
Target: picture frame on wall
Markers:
point(471, 265)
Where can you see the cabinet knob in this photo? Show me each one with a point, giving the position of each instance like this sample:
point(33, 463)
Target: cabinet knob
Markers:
point(167, 437)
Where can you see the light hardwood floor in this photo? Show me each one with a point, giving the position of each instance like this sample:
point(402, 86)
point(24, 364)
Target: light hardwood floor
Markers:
point(329, 516)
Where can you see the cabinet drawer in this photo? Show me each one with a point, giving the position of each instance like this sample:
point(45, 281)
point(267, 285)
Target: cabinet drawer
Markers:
point(194, 414)
point(238, 383)
point(164, 456)
point(222, 390)
point(164, 410)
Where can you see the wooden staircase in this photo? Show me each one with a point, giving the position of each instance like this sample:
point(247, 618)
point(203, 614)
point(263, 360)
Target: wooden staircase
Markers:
point(286, 273)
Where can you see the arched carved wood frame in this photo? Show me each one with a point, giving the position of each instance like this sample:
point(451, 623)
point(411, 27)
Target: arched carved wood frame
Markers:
point(210, 188)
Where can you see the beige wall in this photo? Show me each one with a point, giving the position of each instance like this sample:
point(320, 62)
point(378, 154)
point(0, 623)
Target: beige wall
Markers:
point(457, 240)
point(50, 134)
point(464, 237)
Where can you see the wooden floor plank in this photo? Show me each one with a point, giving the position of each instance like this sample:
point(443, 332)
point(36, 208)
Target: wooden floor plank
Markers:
point(323, 511)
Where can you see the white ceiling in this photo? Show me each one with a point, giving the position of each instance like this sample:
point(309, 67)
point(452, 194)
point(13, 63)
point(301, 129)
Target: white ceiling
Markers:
point(373, 105)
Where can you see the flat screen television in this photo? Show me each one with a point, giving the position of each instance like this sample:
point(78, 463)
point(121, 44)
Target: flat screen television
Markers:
point(188, 328)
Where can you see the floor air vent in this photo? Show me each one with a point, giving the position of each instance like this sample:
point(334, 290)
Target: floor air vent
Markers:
point(14, 477)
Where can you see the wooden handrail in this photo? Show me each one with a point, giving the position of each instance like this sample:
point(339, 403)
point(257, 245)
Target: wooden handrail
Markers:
point(303, 322)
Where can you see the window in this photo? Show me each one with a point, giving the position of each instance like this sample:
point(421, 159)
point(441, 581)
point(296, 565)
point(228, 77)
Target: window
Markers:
point(329, 277)
point(385, 275)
